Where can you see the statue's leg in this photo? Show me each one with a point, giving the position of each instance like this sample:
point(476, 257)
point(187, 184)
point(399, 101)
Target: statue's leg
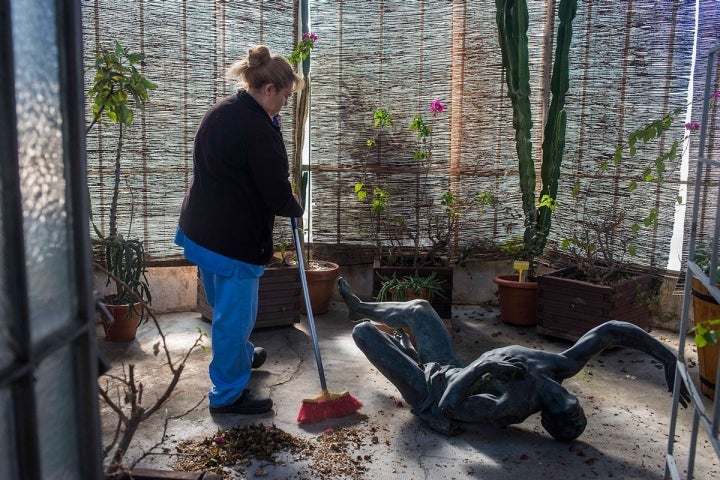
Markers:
point(402, 370)
point(432, 338)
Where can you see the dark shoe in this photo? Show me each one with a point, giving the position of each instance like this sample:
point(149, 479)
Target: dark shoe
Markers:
point(246, 405)
point(259, 357)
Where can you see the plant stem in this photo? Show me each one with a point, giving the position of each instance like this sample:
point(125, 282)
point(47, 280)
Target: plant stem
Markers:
point(113, 226)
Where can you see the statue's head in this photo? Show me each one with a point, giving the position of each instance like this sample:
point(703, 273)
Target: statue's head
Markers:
point(566, 425)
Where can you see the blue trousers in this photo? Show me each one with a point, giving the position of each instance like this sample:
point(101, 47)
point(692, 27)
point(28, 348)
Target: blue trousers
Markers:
point(234, 300)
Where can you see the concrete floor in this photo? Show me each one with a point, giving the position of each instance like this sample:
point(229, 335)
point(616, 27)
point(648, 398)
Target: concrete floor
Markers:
point(623, 394)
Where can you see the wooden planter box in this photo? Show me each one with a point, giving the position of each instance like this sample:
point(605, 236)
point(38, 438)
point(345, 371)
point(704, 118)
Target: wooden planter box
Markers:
point(279, 299)
point(568, 308)
point(441, 304)
point(705, 308)
point(146, 474)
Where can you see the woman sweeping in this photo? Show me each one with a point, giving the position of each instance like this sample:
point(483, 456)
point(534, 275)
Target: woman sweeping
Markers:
point(240, 183)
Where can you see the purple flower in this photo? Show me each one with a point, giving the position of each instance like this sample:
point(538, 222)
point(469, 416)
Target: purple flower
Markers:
point(716, 94)
point(309, 36)
point(692, 126)
point(436, 106)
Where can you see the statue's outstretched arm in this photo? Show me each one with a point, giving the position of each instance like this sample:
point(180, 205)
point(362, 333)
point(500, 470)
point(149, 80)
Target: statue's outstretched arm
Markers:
point(615, 333)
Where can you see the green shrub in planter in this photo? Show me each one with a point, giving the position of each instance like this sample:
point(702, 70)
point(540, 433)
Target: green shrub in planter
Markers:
point(410, 286)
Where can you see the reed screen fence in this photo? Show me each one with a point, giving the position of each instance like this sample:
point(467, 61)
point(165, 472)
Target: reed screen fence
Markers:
point(632, 61)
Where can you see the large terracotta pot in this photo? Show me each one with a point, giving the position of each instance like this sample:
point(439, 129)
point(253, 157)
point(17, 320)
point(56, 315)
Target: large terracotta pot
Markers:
point(127, 320)
point(518, 300)
point(321, 277)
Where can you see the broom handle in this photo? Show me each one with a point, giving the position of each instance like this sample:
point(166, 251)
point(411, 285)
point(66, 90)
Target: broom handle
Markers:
point(308, 306)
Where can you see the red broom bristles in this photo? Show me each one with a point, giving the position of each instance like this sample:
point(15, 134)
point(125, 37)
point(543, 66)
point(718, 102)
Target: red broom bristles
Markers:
point(327, 405)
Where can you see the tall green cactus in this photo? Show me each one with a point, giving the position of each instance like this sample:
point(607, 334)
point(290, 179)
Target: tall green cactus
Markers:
point(512, 21)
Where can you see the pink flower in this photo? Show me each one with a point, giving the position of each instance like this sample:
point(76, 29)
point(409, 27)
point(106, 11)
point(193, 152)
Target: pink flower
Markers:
point(436, 106)
point(716, 94)
point(692, 126)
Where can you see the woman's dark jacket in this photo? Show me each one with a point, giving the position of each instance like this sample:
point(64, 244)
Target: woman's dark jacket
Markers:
point(240, 181)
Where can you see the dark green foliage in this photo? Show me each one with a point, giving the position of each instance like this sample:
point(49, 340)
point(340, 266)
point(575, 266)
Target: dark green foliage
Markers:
point(398, 287)
point(125, 261)
point(119, 87)
point(512, 21)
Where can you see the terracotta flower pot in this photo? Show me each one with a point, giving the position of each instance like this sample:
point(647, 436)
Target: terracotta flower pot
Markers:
point(124, 328)
point(518, 300)
point(321, 277)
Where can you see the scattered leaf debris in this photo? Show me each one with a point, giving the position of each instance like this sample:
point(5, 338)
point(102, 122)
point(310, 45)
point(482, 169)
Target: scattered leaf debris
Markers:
point(333, 454)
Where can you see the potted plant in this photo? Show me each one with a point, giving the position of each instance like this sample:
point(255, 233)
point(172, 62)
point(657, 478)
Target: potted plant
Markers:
point(593, 290)
point(401, 241)
point(410, 287)
point(319, 274)
point(512, 22)
point(706, 318)
point(601, 283)
point(423, 242)
point(118, 88)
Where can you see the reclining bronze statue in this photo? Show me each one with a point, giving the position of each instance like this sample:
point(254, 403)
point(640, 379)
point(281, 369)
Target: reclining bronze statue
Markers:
point(502, 386)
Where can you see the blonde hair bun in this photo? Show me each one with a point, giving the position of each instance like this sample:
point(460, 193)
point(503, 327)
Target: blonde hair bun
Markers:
point(257, 56)
point(261, 67)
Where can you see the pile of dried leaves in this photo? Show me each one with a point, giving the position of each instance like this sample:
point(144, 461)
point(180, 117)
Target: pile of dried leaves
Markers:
point(335, 454)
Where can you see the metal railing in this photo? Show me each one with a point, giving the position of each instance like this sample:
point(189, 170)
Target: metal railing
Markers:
point(705, 420)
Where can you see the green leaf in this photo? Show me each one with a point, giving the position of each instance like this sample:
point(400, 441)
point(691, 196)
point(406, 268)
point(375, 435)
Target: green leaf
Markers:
point(649, 133)
point(652, 218)
point(382, 118)
point(660, 166)
point(617, 158)
point(548, 202)
point(134, 58)
point(419, 126)
point(632, 141)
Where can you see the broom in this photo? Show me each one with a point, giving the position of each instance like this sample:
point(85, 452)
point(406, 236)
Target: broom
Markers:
point(327, 404)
